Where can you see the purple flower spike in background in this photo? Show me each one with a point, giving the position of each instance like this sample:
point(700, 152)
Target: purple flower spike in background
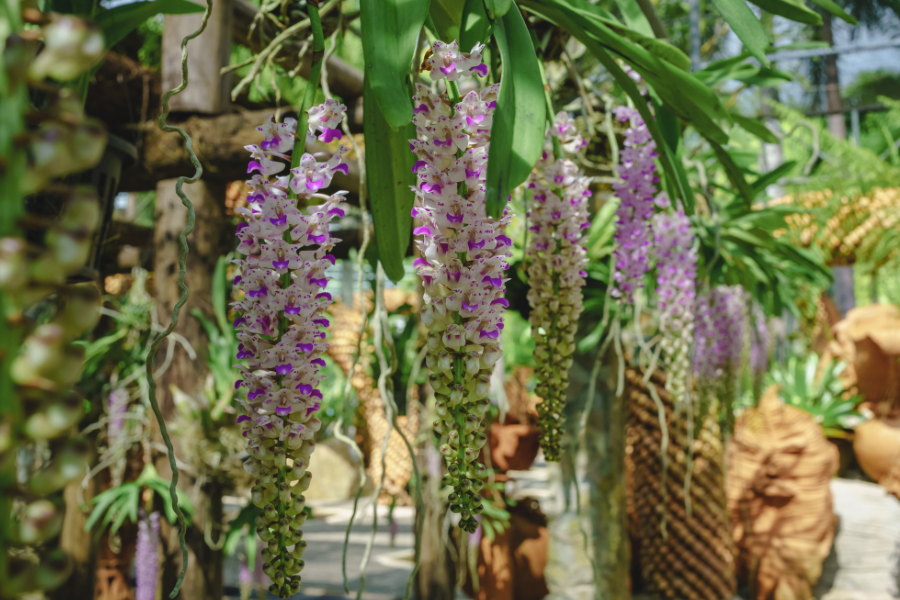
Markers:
point(462, 265)
point(280, 324)
point(676, 279)
point(118, 406)
point(147, 557)
point(718, 340)
point(635, 192)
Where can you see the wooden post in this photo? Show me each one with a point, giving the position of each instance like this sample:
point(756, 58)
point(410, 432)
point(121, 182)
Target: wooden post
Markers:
point(436, 578)
point(605, 436)
point(207, 91)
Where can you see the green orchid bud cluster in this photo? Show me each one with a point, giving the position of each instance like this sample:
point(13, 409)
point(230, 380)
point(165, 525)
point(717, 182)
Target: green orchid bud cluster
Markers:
point(558, 216)
point(42, 315)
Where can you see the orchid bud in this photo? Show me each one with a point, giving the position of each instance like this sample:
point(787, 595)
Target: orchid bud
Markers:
point(53, 570)
point(71, 47)
point(13, 264)
point(55, 417)
point(40, 521)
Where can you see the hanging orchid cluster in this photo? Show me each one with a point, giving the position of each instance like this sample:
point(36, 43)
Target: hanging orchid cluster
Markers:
point(558, 216)
point(280, 322)
point(463, 258)
point(718, 340)
point(676, 275)
point(635, 192)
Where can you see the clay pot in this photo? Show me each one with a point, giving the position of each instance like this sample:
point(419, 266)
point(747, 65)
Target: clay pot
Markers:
point(868, 339)
point(511, 566)
point(513, 446)
point(877, 446)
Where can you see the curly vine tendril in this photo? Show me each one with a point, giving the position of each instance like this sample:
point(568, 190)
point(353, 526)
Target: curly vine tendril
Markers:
point(182, 266)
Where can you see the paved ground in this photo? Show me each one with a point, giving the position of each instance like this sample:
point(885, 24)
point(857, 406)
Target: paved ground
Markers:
point(389, 565)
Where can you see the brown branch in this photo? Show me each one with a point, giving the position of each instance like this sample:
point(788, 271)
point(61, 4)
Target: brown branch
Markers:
point(219, 143)
point(344, 80)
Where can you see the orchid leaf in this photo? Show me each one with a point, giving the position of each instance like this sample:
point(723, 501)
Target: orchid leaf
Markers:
point(390, 179)
point(746, 26)
point(390, 30)
point(517, 135)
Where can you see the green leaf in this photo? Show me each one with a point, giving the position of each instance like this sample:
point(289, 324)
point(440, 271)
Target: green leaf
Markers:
point(447, 18)
point(799, 46)
point(497, 8)
point(389, 170)
point(634, 17)
point(476, 27)
point(517, 135)
point(789, 9)
point(735, 176)
point(390, 29)
point(101, 502)
point(757, 128)
point(771, 177)
point(219, 295)
point(835, 10)
point(763, 77)
point(688, 97)
point(118, 22)
point(746, 26)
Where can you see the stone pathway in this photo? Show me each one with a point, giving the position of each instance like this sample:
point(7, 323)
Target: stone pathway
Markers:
point(389, 565)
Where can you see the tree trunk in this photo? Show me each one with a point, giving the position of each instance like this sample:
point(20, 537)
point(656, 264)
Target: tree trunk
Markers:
point(210, 239)
point(836, 124)
point(436, 579)
point(605, 437)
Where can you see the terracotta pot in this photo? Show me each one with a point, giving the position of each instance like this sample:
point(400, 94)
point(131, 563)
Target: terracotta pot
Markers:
point(877, 445)
point(511, 566)
point(513, 447)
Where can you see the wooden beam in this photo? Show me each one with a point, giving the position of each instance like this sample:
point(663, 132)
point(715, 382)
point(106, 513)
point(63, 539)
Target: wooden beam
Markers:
point(219, 143)
point(209, 91)
point(130, 245)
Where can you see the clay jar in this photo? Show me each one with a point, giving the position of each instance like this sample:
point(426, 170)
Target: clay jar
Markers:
point(876, 444)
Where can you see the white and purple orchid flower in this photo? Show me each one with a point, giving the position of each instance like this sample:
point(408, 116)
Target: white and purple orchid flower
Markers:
point(280, 323)
point(462, 264)
point(676, 281)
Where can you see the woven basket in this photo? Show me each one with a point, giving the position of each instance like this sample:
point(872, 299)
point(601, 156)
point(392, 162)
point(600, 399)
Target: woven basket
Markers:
point(681, 554)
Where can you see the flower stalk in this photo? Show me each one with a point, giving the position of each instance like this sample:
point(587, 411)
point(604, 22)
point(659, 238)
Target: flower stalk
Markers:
point(280, 322)
point(635, 191)
point(463, 258)
point(676, 280)
point(558, 217)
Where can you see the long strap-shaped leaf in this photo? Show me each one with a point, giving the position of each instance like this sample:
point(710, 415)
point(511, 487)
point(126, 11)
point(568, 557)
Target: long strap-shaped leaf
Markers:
point(746, 26)
point(389, 178)
point(597, 49)
point(390, 30)
point(684, 94)
point(517, 135)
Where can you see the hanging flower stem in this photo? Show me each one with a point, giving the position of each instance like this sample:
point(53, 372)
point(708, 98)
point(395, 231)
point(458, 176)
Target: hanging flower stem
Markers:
point(464, 253)
point(182, 274)
point(556, 273)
